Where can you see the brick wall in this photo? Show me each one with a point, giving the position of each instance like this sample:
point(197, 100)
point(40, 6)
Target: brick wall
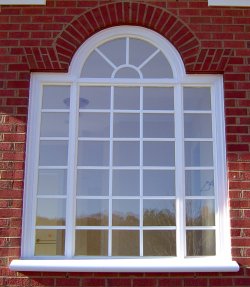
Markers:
point(44, 38)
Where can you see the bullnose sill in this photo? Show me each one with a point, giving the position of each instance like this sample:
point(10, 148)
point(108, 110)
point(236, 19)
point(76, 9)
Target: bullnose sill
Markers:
point(125, 265)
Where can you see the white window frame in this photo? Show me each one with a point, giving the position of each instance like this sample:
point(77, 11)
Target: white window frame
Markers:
point(227, 3)
point(221, 262)
point(22, 2)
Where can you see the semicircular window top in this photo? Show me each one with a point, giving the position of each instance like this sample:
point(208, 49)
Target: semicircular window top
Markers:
point(127, 57)
point(126, 159)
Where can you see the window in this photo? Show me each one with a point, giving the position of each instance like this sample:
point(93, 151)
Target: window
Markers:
point(22, 2)
point(125, 161)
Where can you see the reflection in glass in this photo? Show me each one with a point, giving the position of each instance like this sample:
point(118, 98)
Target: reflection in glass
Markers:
point(158, 183)
point(52, 182)
point(92, 182)
point(200, 212)
point(158, 98)
point(198, 153)
point(139, 51)
point(91, 243)
point(126, 125)
point(126, 153)
point(158, 126)
point(49, 242)
point(159, 243)
point(126, 182)
point(158, 154)
point(127, 98)
point(56, 97)
point(158, 212)
point(94, 125)
point(93, 153)
point(125, 212)
point(197, 98)
point(125, 243)
point(157, 67)
point(50, 211)
point(53, 153)
point(200, 242)
point(95, 97)
point(197, 126)
point(199, 182)
point(92, 212)
point(96, 67)
point(54, 125)
point(115, 51)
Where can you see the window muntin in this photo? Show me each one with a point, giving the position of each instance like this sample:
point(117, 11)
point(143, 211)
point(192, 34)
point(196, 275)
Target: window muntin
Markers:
point(200, 166)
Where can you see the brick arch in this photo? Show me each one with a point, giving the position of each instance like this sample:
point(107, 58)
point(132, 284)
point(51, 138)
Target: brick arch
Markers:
point(127, 13)
point(196, 59)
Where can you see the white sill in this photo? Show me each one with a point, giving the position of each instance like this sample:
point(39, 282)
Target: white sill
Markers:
point(22, 2)
point(235, 3)
point(126, 265)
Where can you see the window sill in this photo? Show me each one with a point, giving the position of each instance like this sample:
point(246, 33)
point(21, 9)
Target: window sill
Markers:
point(126, 265)
point(22, 2)
point(235, 3)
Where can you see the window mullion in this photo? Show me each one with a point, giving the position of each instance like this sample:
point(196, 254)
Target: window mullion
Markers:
point(72, 170)
point(179, 174)
point(141, 171)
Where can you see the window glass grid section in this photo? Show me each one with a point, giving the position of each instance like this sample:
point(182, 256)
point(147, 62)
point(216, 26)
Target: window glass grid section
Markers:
point(125, 217)
point(200, 199)
point(52, 171)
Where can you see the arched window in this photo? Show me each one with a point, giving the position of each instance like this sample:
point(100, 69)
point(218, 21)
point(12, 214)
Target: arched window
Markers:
point(126, 160)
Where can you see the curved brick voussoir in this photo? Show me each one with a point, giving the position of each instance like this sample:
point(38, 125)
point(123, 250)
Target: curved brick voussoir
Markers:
point(126, 13)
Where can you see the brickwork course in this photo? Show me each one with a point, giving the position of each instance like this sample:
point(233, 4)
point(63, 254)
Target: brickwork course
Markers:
point(210, 40)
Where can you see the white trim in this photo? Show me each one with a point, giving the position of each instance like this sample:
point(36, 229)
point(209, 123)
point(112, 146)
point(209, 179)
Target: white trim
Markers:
point(22, 2)
point(236, 3)
point(126, 265)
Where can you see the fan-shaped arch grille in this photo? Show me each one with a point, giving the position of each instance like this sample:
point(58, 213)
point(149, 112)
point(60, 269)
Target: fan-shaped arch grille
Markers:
point(127, 57)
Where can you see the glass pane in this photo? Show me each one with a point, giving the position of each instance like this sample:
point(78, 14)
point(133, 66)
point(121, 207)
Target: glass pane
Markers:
point(158, 126)
point(92, 182)
point(127, 73)
point(94, 125)
point(126, 182)
point(49, 242)
point(56, 97)
point(139, 51)
point(158, 98)
point(52, 182)
point(96, 67)
point(91, 243)
point(158, 212)
point(125, 212)
point(126, 153)
point(94, 98)
point(127, 98)
point(200, 242)
point(115, 51)
point(197, 98)
point(50, 211)
point(158, 154)
point(197, 126)
point(54, 125)
point(92, 212)
point(158, 67)
point(200, 212)
point(158, 183)
point(126, 126)
point(125, 243)
point(159, 243)
point(53, 153)
point(199, 182)
point(199, 153)
point(93, 153)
